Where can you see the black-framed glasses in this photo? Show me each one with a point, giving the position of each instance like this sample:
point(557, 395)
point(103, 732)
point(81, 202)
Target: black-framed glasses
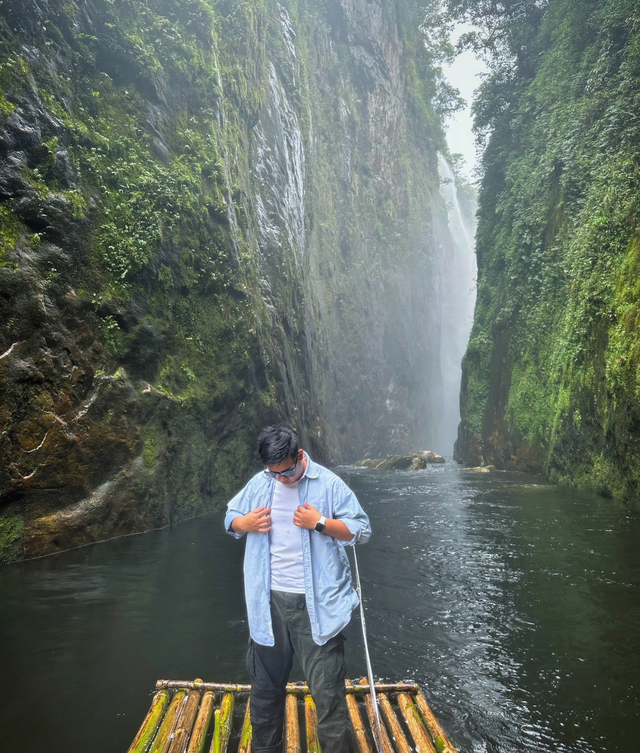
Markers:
point(289, 473)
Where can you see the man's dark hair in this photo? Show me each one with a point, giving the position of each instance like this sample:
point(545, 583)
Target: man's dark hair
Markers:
point(277, 443)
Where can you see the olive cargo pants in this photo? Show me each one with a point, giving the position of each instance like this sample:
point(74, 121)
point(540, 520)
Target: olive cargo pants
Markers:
point(324, 670)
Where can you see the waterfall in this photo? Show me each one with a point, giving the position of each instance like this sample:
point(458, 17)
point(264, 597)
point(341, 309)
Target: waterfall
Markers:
point(459, 297)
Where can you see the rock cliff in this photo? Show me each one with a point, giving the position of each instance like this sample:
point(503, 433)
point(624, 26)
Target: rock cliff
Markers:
point(550, 378)
point(214, 214)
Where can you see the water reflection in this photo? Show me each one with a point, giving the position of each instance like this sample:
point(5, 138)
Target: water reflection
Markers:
point(514, 603)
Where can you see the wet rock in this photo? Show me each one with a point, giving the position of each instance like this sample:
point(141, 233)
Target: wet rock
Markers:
point(66, 174)
point(112, 509)
point(395, 463)
point(11, 532)
point(482, 469)
point(431, 457)
point(160, 150)
point(414, 461)
point(468, 448)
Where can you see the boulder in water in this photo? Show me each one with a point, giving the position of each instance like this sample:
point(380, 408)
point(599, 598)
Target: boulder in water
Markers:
point(366, 463)
point(413, 462)
point(431, 457)
point(395, 463)
point(482, 469)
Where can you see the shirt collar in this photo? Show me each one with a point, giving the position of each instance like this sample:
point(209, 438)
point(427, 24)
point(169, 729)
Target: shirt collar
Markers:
point(312, 468)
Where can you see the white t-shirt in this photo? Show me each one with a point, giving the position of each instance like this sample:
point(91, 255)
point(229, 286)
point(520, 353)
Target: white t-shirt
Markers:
point(285, 541)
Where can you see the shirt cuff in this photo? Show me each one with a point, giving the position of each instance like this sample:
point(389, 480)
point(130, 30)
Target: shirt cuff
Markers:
point(230, 530)
point(353, 527)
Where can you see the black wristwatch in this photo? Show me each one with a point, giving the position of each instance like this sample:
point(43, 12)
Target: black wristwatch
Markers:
point(319, 527)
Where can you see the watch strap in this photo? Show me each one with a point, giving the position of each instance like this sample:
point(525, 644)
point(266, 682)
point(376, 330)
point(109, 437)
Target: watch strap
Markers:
point(319, 527)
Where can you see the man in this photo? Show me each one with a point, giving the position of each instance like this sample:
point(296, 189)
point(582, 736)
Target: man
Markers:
point(298, 517)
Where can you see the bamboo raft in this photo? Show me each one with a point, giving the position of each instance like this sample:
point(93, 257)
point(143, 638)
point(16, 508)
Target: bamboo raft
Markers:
point(181, 715)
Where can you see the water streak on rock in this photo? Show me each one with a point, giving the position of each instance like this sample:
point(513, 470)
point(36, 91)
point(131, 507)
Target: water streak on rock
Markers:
point(280, 172)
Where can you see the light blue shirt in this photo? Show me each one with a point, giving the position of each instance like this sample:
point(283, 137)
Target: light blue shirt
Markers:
point(330, 595)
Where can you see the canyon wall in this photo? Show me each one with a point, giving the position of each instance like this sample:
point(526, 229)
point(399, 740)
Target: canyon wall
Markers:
point(551, 376)
point(214, 214)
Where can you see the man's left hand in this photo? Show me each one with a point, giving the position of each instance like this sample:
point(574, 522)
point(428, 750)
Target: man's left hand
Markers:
point(306, 517)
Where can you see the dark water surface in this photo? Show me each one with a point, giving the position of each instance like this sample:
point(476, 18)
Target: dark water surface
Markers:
point(516, 604)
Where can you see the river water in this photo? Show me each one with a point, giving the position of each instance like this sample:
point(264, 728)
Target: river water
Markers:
point(514, 603)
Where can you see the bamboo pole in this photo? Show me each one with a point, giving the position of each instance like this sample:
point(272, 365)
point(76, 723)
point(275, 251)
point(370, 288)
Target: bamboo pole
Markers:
point(184, 726)
point(368, 700)
point(395, 687)
point(215, 740)
point(414, 722)
point(359, 731)
point(399, 739)
point(151, 722)
point(223, 687)
point(311, 718)
point(442, 742)
point(201, 727)
point(222, 728)
point(226, 719)
point(292, 725)
point(245, 736)
point(169, 723)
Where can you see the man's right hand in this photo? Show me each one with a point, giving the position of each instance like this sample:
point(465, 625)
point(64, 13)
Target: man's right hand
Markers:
point(258, 521)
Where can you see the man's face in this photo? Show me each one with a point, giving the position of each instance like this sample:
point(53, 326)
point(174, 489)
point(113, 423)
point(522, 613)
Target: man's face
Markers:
point(286, 465)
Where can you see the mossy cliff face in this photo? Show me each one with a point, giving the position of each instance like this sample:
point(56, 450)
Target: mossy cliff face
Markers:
point(551, 378)
point(214, 215)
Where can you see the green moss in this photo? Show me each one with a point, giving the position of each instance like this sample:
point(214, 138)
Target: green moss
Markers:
point(623, 347)
point(6, 108)
point(9, 228)
point(11, 530)
point(150, 448)
point(477, 362)
point(111, 335)
point(10, 231)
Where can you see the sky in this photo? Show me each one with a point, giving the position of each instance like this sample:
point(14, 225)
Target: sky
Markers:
point(464, 75)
